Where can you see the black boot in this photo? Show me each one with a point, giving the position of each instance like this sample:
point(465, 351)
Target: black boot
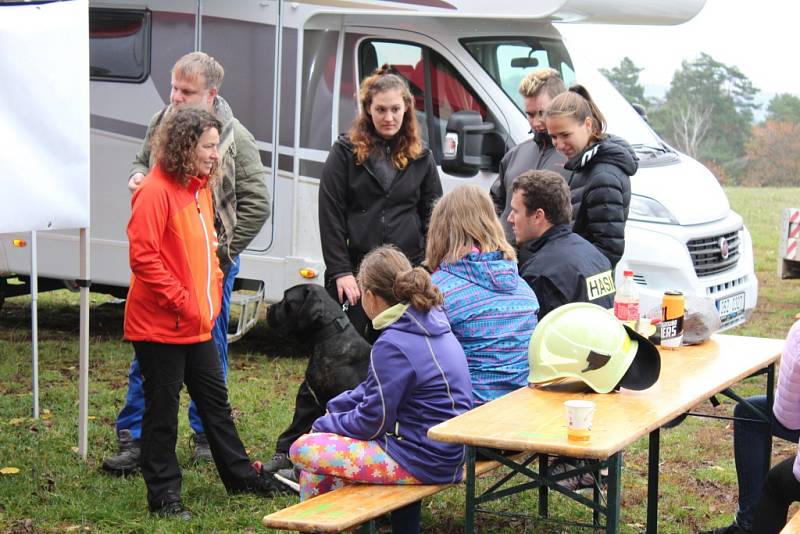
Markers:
point(127, 460)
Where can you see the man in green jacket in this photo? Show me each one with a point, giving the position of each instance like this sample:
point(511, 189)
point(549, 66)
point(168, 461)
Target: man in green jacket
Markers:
point(242, 206)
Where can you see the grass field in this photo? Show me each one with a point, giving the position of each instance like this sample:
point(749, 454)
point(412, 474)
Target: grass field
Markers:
point(55, 491)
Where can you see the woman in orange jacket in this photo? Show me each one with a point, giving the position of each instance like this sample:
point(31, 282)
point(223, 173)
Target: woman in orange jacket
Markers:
point(172, 303)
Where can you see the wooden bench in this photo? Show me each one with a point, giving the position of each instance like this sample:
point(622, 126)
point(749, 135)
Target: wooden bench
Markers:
point(793, 526)
point(355, 504)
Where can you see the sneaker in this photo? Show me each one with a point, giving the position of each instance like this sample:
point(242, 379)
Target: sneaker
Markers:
point(575, 483)
point(280, 460)
point(202, 452)
point(128, 458)
point(289, 478)
point(264, 483)
point(733, 528)
point(173, 509)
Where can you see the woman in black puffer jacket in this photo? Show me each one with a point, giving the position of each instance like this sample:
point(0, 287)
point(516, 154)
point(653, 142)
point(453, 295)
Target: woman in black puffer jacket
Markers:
point(601, 166)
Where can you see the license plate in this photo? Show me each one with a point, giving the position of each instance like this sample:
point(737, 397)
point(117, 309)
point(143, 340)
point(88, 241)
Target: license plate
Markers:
point(730, 306)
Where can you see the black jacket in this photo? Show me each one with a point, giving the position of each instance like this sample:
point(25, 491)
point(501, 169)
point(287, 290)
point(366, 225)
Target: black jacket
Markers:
point(356, 214)
point(536, 153)
point(563, 267)
point(601, 193)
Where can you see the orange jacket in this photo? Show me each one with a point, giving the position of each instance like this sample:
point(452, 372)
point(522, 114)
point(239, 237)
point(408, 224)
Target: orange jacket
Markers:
point(176, 283)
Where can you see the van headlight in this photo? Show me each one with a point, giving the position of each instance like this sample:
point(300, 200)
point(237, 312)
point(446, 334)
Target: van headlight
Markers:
point(647, 209)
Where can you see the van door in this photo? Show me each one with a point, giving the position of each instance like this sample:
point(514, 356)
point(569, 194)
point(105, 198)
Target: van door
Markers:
point(243, 41)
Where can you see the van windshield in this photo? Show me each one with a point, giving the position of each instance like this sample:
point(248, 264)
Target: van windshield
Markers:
point(508, 59)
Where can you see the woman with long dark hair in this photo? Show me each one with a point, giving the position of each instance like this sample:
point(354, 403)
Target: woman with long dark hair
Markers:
point(378, 187)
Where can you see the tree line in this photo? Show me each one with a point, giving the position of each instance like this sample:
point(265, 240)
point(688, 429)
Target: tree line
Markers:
point(708, 113)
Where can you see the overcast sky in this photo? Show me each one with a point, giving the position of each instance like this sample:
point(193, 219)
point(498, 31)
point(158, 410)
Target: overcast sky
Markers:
point(760, 37)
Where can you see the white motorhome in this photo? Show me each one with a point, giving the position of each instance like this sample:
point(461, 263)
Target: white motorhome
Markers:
point(293, 69)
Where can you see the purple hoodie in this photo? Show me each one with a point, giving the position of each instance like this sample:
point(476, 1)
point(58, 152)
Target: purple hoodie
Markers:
point(417, 378)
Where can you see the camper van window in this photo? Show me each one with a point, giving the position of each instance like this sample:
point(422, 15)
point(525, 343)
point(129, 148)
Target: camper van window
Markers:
point(449, 92)
point(119, 45)
point(508, 59)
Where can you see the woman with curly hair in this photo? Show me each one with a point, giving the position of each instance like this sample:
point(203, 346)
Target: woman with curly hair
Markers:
point(173, 301)
point(378, 187)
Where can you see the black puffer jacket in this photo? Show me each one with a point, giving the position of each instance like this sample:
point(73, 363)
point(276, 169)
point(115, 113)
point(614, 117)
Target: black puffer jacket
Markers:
point(356, 213)
point(601, 194)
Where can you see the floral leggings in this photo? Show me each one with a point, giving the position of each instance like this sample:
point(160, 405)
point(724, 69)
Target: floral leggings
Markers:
point(330, 461)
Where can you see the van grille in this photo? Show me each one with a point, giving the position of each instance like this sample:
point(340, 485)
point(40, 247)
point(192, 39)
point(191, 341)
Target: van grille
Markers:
point(706, 253)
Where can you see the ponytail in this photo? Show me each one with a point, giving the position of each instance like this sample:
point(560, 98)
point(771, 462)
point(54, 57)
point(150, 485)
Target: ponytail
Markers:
point(417, 288)
point(577, 104)
point(387, 273)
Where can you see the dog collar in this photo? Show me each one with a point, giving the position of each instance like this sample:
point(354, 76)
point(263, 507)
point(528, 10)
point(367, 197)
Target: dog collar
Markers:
point(338, 325)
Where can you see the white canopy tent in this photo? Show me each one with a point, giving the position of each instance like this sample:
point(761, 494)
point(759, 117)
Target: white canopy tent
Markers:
point(44, 127)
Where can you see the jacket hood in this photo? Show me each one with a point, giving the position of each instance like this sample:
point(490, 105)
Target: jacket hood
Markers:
point(613, 150)
point(222, 110)
point(408, 319)
point(485, 269)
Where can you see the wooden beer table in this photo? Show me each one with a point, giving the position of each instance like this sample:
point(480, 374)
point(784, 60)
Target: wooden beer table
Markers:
point(533, 419)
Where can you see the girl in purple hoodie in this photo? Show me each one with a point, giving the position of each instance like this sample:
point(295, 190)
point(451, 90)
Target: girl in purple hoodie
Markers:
point(417, 378)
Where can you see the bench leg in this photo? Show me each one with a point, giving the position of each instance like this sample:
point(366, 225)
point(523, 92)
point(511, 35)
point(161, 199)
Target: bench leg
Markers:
point(614, 482)
point(469, 513)
point(406, 520)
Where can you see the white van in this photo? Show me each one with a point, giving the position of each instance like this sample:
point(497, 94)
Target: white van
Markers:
point(292, 71)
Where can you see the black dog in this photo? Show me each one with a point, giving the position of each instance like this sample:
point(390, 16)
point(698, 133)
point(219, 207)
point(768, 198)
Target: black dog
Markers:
point(339, 356)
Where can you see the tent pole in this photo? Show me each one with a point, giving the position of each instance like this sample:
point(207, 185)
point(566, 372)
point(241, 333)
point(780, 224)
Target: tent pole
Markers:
point(83, 381)
point(34, 324)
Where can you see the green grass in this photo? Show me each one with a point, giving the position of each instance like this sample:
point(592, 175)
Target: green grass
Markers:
point(56, 491)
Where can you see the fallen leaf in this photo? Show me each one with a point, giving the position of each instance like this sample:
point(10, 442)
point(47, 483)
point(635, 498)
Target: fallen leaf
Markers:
point(16, 421)
point(74, 449)
point(9, 471)
point(91, 417)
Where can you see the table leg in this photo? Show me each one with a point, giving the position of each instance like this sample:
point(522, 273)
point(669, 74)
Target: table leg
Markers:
point(614, 483)
point(469, 513)
point(543, 489)
point(770, 401)
point(652, 480)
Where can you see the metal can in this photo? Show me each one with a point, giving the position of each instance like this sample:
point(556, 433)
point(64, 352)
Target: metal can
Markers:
point(672, 310)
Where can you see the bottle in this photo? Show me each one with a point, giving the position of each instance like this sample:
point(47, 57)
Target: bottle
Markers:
point(626, 301)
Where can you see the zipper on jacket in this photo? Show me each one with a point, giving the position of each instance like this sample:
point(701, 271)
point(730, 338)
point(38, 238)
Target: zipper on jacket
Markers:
point(178, 321)
point(208, 255)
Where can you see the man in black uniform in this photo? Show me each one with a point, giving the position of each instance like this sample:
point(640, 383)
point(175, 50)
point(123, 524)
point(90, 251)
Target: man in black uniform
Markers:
point(563, 267)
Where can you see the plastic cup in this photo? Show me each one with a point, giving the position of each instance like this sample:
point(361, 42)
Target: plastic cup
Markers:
point(579, 419)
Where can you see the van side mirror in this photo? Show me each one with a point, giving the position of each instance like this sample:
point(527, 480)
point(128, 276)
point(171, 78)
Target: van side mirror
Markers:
point(463, 150)
point(640, 109)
